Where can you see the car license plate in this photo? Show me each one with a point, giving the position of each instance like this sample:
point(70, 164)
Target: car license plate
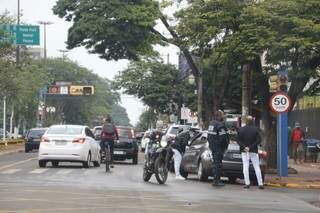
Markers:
point(119, 152)
point(236, 156)
point(61, 143)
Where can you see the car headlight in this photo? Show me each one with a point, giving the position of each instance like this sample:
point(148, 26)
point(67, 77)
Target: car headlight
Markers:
point(163, 143)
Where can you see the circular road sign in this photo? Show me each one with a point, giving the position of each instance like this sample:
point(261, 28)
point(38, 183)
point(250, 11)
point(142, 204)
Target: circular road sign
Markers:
point(280, 102)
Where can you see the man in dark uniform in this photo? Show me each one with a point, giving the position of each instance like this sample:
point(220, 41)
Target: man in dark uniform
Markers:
point(218, 138)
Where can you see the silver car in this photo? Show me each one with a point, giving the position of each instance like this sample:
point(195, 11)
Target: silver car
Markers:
point(69, 143)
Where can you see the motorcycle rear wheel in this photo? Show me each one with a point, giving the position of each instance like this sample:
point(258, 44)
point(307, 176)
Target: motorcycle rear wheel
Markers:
point(161, 171)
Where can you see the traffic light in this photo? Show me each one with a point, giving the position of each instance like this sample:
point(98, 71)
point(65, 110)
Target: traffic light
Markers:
point(76, 90)
point(54, 90)
point(88, 90)
point(274, 83)
point(283, 83)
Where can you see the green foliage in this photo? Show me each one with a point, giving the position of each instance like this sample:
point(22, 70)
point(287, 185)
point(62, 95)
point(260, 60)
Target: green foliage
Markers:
point(119, 115)
point(116, 29)
point(157, 84)
point(82, 109)
point(147, 120)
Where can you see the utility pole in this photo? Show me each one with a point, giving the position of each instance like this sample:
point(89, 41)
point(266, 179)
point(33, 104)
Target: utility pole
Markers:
point(18, 47)
point(4, 119)
point(64, 55)
point(45, 23)
point(200, 93)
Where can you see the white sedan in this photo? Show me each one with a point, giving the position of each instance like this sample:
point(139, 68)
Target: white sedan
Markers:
point(69, 143)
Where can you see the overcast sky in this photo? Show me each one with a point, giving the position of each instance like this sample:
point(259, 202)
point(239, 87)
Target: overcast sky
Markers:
point(40, 10)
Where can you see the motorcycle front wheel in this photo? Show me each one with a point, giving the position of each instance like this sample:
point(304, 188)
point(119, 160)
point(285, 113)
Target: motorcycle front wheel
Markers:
point(146, 174)
point(161, 171)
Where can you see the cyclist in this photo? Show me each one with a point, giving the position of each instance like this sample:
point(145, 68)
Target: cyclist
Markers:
point(109, 133)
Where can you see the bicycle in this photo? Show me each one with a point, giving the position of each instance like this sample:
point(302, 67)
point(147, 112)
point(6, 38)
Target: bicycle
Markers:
point(106, 156)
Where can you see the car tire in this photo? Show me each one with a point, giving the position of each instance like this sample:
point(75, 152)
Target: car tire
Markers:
point(97, 162)
point(135, 159)
point(232, 179)
point(42, 163)
point(202, 175)
point(86, 164)
point(26, 150)
point(183, 173)
point(55, 163)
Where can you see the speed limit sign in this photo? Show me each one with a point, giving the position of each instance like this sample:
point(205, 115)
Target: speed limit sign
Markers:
point(280, 102)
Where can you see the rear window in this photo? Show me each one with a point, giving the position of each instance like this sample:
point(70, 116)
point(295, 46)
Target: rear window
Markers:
point(125, 133)
point(97, 131)
point(36, 133)
point(65, 130)
point(174, 130)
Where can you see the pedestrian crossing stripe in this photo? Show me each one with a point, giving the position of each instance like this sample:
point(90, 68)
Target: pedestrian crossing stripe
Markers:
point(38, 171)
point(10, 171)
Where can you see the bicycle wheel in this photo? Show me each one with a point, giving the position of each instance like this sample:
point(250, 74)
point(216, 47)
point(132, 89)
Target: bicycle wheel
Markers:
point(107, 158)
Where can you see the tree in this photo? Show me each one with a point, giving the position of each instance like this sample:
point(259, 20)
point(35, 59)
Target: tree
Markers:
point(158, 85)
point(120, 116)
point(147, 120)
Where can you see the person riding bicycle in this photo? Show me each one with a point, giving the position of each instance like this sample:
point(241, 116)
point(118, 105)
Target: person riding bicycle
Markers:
point(109, 133)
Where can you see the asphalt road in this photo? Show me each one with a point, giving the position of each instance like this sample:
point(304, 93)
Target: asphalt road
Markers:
point(24, 187)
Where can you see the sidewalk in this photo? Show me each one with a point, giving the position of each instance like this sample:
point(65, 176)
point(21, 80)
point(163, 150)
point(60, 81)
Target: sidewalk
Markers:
point(308, 176)
point(11, 148)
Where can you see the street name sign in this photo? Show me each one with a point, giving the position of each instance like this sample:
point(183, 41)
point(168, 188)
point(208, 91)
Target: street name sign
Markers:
point(280, 102)
point(22, 34)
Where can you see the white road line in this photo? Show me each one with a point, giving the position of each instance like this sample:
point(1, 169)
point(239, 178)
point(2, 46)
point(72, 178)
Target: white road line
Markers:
point(38, 171)
point(63, 172)
point(10, 171)
point(17, 163)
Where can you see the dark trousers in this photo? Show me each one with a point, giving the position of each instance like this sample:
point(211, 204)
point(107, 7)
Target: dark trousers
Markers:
point(104, 143)
point(217, 155)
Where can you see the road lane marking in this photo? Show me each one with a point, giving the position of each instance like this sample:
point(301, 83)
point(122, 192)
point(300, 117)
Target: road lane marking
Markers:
point(38, 171)
point(10, 171)
point(16, 163)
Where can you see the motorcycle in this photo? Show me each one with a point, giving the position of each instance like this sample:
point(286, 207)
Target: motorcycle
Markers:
point(156, 159)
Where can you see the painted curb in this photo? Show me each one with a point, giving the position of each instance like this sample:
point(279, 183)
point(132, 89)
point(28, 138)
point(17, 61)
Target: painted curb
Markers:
point(294, 185)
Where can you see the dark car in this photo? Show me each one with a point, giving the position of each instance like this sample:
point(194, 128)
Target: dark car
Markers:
point(127, 146)
point(33, 137)
point(198, 160)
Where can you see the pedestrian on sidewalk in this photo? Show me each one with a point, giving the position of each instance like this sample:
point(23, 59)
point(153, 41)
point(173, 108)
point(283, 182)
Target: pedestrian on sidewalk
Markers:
point(249, 138)
point(218, 138)
point(297, 138)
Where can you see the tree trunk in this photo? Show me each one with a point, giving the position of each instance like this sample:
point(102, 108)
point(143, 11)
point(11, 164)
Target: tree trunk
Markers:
point(11, 120)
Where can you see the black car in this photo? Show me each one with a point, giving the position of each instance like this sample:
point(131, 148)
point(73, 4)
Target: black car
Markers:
point(32, 139)
point(312, 149)
point(127, 146)
point(198, 160)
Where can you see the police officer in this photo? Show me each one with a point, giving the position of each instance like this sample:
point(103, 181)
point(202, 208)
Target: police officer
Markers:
point(218, 138)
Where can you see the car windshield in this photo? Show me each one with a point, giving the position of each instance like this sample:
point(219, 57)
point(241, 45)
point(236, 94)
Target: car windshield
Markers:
point(65, 130)
point(125, 133)
point(36, 133)
point(174, 130)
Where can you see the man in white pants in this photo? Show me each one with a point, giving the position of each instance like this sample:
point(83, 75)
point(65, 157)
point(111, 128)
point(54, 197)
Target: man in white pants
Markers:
point(249, 139)
point(179, 147)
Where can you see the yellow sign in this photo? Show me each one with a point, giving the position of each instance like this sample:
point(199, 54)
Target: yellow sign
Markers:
point(76, 90)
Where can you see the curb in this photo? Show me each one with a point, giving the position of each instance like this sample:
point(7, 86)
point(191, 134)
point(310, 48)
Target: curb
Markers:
point(11, 151)
point(294, 185)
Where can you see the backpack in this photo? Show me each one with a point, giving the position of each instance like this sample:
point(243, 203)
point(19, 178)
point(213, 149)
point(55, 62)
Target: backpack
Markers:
point(297, 135)
point(108, 128)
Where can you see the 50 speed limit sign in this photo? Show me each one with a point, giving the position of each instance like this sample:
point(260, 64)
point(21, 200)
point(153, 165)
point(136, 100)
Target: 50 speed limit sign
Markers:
point(280, 102)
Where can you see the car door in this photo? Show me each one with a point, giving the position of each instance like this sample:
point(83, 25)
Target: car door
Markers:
point(192, 153)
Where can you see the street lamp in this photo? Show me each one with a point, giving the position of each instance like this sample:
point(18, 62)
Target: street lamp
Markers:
point(45, 23)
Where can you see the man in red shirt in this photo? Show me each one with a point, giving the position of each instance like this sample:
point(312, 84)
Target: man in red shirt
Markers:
point(109, 133)
point(297, 138)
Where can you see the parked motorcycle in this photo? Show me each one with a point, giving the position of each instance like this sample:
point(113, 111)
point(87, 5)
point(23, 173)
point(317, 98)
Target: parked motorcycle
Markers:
point(155, 159)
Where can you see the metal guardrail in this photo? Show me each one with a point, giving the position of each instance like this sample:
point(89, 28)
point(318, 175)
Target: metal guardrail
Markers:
point(11, 141)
